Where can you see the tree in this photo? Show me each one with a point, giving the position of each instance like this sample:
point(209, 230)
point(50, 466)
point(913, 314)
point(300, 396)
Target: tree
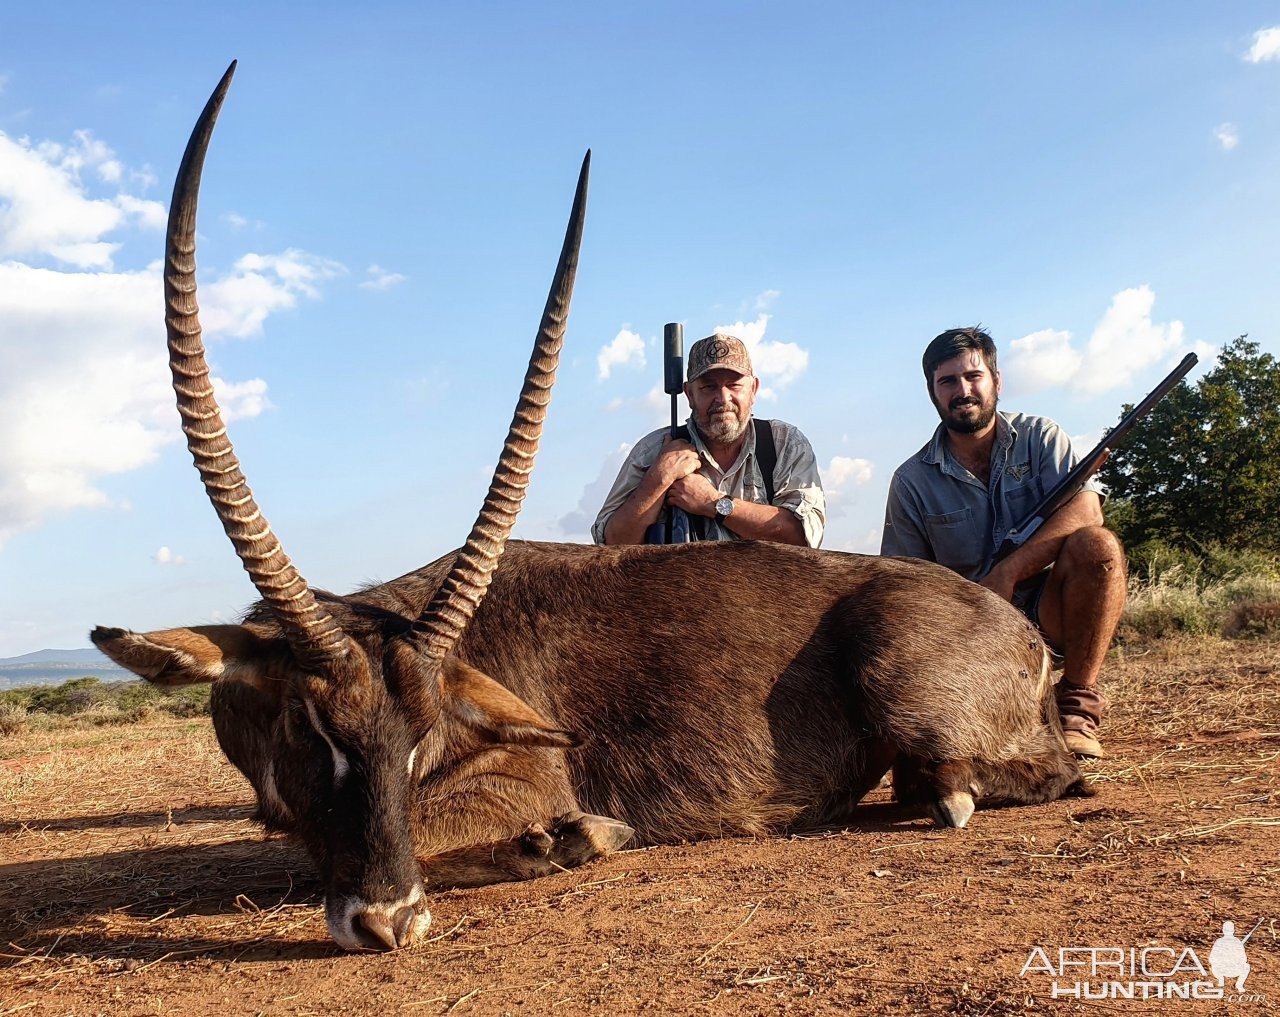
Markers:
point(1204, 466)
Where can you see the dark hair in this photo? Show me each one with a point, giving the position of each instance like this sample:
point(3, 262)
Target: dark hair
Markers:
point(952, 343)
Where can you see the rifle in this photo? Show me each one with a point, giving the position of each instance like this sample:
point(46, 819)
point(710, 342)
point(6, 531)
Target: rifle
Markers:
point(1073, 483)
point(1251, 932)
point(673, 526)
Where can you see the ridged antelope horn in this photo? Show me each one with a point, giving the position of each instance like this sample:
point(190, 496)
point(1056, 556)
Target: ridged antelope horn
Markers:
point(310, 629)
point(446, 617)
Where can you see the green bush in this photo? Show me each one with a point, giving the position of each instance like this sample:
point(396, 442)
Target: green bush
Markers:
point(1218, 592)
point(114, 702)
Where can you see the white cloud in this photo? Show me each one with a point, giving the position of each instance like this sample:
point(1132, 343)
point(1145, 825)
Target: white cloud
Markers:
point(1266, 45)
point(84, 383)
point(844, 471)
point(1125, 342)
point(1228, 136)
point(841, 478)
point(576, 525)
point(165, 556)
point(381, 279)
point(45, 211)
point(1040, 360)
point(775, 363)
point(260, 284)
point(240, 400)
point(625, 350)
point(766, 299)
point(235, 220)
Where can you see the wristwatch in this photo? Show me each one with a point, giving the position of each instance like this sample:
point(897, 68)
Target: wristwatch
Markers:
point(724, 508)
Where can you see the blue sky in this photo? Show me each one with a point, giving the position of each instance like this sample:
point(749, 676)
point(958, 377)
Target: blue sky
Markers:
point(385, 195)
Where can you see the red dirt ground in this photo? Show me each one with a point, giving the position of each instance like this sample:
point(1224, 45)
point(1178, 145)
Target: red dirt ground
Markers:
point(133, 882)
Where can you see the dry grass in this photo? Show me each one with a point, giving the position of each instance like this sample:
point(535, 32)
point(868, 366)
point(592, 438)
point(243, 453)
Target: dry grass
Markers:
point(1235, 696)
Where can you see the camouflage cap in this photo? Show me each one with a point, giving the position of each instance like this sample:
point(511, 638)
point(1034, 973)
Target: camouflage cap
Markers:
point(718, 351)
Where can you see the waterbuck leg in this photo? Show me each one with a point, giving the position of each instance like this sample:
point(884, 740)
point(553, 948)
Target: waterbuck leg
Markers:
point(910, 784)
point(246, 721)
point(572, 840)
point(947, 787)
point(953, 787)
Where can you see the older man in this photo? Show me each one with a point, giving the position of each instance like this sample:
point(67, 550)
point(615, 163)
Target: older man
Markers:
point(736, 477)
point(982, 472)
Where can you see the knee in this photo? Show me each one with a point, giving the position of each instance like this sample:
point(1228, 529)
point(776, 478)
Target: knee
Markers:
point(1097, 550)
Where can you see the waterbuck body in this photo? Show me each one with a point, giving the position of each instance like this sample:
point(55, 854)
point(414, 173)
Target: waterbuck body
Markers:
point(465, 724)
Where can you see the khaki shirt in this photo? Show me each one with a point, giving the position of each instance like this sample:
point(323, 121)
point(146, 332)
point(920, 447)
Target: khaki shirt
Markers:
point(939, 511)
point(796, 484)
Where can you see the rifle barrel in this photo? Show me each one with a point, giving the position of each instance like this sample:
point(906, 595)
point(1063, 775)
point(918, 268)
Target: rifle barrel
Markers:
point(1074, 481)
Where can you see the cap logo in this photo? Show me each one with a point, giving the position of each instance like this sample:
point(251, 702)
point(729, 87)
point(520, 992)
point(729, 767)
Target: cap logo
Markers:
point(717, 349)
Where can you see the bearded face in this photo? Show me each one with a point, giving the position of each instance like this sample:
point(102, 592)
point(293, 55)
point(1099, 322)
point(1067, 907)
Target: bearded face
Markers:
point(965, 393)
point(721, 401)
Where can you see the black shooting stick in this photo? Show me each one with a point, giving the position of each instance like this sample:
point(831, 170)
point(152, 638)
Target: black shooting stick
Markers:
point(1074, 482)
point(664, 529)
point(673, 366)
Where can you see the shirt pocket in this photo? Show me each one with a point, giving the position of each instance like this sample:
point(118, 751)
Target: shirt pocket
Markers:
point(955, 543)
point(1019, 503)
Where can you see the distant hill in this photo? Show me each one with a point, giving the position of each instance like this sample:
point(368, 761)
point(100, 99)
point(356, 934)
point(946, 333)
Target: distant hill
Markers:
point(53, 667)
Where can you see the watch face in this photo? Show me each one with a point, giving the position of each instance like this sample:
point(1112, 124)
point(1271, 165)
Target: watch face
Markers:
point(724, 506)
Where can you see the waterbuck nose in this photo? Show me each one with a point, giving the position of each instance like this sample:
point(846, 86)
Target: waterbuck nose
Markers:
point(388, 933)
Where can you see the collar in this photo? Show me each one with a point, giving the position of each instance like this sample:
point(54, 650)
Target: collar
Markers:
point(935, 452)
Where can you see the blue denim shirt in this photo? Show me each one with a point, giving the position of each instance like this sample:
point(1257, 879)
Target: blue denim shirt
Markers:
point(939, 511)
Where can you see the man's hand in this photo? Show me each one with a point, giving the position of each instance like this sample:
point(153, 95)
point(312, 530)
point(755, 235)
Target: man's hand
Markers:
point(695, 494)
point(677, 460)
point(999, 582)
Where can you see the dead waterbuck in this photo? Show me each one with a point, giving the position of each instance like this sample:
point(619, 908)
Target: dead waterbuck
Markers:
point(465, 723)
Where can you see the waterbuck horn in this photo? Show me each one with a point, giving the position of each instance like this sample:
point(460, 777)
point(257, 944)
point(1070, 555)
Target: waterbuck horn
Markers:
point(312, 632)
point(446, 616)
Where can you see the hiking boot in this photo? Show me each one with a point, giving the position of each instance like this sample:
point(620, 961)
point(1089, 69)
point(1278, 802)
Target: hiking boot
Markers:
point(1081, 743)
point(1081, 710)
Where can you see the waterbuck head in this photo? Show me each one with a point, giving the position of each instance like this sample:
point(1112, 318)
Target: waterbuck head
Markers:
point(328, 706)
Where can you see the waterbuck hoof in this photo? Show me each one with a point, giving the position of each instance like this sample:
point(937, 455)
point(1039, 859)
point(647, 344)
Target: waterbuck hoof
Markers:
point(536, 842)
point(954, 810)
point(382, 929)
point(581, 836)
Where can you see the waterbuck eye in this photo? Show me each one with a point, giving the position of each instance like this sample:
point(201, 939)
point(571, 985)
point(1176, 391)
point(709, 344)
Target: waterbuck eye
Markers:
point(340, 764)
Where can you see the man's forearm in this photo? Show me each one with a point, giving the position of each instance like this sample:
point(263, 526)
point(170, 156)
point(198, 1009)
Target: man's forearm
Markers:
point(1042, 548)
point(634, 516)
point(753, 521)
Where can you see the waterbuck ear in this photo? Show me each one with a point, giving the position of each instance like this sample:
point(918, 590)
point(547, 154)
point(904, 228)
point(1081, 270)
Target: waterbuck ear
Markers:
point(496, 714)
point(203, 653)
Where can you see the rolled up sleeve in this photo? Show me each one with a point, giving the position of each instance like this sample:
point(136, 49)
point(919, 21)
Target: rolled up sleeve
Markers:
point(798, 486)
point(633, 469)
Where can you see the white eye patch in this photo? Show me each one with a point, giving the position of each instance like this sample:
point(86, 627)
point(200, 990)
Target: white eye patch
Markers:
point(412, 756)
point(340, 764)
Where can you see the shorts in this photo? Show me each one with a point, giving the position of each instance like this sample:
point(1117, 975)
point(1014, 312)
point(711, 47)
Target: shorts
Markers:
point(1026, 598)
